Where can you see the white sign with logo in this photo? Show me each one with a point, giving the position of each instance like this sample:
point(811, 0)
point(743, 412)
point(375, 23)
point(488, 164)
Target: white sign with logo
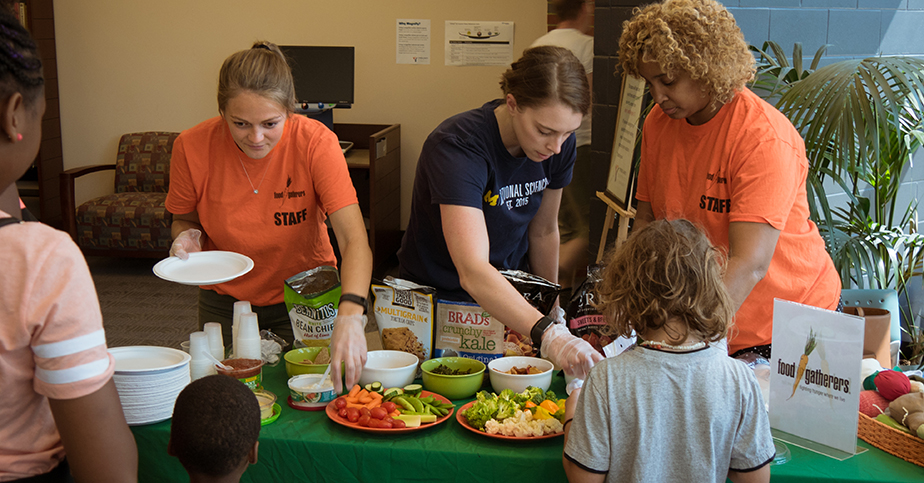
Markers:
point(815, 374)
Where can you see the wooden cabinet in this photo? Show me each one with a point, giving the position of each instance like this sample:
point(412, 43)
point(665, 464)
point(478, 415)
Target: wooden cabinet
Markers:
point(40, 187)
point(375, 167)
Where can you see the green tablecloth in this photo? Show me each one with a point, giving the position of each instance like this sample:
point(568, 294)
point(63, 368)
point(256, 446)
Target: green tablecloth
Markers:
point(307, 446)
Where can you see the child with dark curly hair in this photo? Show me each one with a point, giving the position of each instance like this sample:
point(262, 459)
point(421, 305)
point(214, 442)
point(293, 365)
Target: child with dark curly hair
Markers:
point(216, 422)
point(674, 407)
point(715, 153)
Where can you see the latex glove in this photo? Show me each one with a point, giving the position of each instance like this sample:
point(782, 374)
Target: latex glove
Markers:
point(575, 385)
point(558, 315)
point(185, 243)
point(347, 345)
point(571, 353)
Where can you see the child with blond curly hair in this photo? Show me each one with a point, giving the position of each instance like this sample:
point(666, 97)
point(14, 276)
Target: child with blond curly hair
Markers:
point(674, 407)
point(715, 153)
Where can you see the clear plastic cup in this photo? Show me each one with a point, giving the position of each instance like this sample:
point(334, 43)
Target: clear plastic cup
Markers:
point(247, 344)
point(198, 344)
point(216, 344)
point(240, 308)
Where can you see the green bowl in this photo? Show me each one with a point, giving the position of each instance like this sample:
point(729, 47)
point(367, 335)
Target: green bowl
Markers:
point(453, 387)
point(299, 361)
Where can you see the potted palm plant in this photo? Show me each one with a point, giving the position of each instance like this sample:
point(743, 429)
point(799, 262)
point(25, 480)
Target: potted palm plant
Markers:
point(861, 119)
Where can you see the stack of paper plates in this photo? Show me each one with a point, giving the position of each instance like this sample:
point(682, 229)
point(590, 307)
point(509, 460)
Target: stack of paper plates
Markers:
point(149, 379)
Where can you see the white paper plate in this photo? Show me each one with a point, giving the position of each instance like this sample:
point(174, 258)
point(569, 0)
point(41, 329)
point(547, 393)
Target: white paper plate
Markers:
point(204, 268)
point(147, 359)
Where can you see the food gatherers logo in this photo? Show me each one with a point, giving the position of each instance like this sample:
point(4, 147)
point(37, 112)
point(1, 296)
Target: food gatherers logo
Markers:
point(811, 377)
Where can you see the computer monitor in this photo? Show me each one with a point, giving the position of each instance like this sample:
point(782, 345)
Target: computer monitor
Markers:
point(323, 75)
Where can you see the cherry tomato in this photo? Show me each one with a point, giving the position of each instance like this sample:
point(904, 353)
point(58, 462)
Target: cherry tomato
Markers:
point(389, 407)
point(352, 415)
point(365, 410)
point(385, 424)
point(340, 403)
point(364, 420)
point(342, 413)
point(389, 419)
point(378, 413)
point(398, 424)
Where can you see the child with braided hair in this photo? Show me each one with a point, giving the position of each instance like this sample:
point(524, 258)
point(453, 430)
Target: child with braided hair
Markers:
point(58, 395)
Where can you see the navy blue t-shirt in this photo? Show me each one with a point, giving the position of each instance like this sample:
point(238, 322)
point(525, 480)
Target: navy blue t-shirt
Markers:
point(464, 162)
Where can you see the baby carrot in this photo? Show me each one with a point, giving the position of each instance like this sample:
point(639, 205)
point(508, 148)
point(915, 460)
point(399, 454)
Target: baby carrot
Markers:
point(354, 390)
point(373, 404)
point(365, 399)
point(803, 361)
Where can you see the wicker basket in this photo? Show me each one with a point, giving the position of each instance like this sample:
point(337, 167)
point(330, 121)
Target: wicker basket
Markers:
point(906, 446)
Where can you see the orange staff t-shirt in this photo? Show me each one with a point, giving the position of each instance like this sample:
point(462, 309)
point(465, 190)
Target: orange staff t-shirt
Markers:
point(746, 164)
point(282, 226)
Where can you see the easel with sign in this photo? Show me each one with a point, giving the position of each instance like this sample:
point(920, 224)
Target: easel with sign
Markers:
point(613, 209)
point(618, 195)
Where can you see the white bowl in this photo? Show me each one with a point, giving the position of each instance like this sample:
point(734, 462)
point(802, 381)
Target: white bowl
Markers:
point(391, 368)
point(519, 382)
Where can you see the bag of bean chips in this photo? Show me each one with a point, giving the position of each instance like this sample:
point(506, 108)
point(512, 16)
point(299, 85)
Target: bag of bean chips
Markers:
point(312, 298)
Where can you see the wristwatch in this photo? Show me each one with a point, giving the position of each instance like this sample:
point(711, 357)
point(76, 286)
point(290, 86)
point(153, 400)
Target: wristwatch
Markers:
point(356, 299)
point(538, 329)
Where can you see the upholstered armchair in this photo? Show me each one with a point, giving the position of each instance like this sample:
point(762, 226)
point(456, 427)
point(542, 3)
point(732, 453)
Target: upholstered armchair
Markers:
point(131, 222)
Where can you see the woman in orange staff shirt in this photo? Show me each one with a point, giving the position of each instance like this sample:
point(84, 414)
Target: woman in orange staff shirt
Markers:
point(260, 180)
point(715, 153)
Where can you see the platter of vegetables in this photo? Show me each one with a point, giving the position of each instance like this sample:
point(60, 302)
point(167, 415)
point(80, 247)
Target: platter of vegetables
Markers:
point(394, 410)
point(531, 414)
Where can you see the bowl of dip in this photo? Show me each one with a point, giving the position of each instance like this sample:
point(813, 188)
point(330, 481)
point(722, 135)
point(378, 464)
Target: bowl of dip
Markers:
point(248, 371)
point(266, 400)
point(309, 391)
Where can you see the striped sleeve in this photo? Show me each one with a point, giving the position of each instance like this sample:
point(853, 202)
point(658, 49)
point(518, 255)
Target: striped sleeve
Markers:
point(67, 337)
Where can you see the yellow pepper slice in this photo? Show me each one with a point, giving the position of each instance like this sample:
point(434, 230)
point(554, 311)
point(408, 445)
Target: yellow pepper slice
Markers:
point(541, 413)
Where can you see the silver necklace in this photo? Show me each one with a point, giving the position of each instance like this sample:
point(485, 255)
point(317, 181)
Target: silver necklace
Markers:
point(257, 189)
point(660, 345)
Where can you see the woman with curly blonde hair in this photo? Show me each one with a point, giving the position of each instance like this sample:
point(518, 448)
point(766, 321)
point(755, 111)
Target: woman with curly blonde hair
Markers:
point(715, 153)
point(665, 284)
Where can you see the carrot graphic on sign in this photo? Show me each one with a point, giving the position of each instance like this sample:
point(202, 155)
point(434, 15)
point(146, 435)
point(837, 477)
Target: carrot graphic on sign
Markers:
point(803, 361)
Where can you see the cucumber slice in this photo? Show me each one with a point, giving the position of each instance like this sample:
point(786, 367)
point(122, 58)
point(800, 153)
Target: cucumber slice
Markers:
point(368, 387)
point(377, 387)
point(413, 389)
point(410, 421)
point(391, 393)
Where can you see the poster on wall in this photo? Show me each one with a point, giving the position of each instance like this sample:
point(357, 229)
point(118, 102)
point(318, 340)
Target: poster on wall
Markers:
point(619, 182)
point(479, 43)
point(815, 377)
point(412, 45)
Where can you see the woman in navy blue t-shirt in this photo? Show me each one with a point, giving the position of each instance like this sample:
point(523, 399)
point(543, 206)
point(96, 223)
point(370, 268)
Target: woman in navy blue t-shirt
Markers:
point(486, 197)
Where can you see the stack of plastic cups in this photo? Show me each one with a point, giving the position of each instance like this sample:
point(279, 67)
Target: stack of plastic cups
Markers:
point(240, 308)
point(199, 365)
point(247, 344)
point(216, 344)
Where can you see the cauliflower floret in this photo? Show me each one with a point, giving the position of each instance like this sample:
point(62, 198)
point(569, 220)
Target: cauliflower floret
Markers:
point(522, 424)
